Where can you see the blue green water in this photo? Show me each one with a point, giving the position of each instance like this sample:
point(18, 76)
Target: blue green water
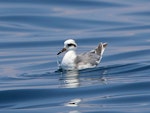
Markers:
point(33, 31)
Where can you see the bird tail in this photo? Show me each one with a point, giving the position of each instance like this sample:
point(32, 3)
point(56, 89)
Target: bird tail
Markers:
point(100, 49)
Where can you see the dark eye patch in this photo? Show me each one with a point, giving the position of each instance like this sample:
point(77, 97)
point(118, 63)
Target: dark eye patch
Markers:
point(71, 45)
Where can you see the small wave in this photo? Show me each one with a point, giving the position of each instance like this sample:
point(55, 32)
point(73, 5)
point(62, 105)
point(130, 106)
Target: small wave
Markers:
point(69, 3)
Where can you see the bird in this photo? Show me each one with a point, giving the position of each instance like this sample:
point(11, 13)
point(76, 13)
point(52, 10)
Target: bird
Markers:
point(73, 61)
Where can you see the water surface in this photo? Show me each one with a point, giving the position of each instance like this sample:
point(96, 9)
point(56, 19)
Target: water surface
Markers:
point(32, 32)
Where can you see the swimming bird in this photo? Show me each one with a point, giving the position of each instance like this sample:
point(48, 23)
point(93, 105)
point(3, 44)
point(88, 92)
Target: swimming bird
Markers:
point(72, 61)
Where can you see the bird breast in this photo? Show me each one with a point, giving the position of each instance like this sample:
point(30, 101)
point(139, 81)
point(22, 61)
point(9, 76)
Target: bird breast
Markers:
point(68, 61)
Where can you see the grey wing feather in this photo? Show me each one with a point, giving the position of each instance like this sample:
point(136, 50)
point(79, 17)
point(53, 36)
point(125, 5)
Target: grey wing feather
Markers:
point(93, 57)
point(89, 57)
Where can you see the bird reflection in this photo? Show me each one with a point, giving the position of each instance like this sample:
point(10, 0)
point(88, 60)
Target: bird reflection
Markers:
point(74, 102)
point(73, 79)
point(70, 80)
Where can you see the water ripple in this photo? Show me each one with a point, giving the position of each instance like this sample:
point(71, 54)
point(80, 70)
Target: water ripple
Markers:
point(32, 32)
point(72, 3)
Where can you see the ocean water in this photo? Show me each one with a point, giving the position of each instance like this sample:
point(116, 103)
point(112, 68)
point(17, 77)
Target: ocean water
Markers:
point(33, 31)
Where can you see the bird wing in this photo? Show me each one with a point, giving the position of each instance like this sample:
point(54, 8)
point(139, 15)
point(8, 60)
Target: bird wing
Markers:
point(92, 57)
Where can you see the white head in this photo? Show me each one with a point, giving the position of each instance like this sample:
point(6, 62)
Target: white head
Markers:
point(69, 44)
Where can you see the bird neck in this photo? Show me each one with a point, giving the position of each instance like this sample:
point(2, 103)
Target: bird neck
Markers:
point(68, 60)
point(70, 56)
point(71, 53)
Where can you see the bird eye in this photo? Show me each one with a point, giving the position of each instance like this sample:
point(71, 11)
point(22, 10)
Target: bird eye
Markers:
point(71, 45)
